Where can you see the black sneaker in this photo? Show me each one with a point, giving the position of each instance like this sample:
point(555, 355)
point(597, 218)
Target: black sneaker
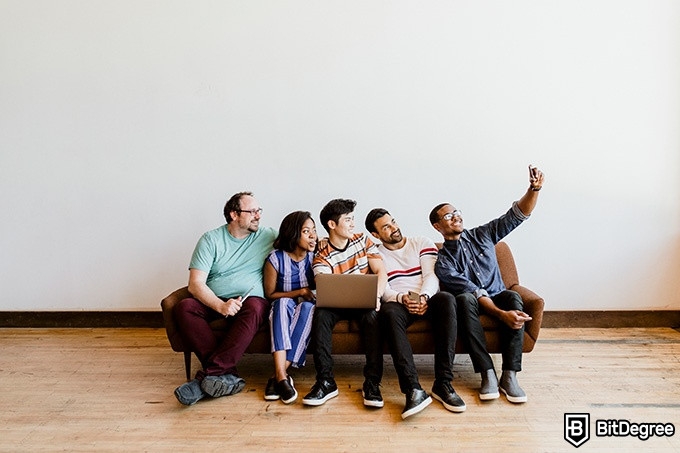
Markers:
point(444, 392)
point(321, 392)
point(270, 393)
point(416, 401)
point(286, 390)
point(371, 394)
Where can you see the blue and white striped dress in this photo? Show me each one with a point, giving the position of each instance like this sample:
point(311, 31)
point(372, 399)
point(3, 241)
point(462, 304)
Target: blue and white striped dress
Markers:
point(290, 322)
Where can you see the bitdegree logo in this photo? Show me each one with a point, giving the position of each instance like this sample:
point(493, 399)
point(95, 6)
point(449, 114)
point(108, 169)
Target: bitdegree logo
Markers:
point(577, 429)
point(625, 428)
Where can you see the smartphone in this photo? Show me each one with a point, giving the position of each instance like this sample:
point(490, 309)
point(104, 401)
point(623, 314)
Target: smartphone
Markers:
point(414, 296)
point(533, 172)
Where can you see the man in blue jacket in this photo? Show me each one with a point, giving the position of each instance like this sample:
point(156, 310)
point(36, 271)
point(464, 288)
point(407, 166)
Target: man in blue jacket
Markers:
point(467, 267)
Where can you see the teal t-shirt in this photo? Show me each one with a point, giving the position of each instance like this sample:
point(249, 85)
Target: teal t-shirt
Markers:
point(233, 265)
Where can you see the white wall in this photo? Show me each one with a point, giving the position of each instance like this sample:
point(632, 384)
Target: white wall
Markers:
point(125, 125)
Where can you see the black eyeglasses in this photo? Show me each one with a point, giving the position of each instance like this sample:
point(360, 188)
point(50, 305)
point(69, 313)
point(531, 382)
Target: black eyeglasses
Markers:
point(250, 211)
point(450, 215)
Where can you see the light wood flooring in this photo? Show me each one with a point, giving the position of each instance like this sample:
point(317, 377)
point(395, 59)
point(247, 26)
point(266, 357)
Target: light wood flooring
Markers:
point(112, 390)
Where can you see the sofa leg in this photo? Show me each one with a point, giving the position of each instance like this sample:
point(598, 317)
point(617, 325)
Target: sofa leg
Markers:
point(187, 364)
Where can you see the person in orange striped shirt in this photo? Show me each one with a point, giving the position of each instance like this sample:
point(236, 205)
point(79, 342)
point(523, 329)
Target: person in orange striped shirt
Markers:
point(346, 252)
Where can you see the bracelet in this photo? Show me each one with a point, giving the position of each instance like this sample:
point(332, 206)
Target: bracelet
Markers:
point(535, 189)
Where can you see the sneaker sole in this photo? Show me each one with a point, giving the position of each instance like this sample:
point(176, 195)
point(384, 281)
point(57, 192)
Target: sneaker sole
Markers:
point(372, 403)
point(448, 406)
point(319, 402)
point(489, 396)
point(291, 399)
point(216, 389)
point(514, 399)
point(418, 408)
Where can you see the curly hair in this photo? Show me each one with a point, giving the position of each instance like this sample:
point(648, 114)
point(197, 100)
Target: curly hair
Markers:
point(291, 230)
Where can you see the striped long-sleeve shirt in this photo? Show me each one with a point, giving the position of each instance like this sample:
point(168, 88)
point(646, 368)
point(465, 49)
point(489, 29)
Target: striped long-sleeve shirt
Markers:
point(411, 268)
point(353, 259)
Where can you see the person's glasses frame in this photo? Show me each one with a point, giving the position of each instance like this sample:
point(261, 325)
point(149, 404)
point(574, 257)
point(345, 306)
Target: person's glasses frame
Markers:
point(451, 215)
point(250, 211)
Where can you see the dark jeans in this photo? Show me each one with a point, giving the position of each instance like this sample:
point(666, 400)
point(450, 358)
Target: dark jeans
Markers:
point(512, 340)
point(218, 358)
point(323, 323)
point(441, 313)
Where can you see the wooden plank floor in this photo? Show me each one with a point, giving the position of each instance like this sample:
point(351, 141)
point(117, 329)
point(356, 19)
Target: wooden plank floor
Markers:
point(111, 390)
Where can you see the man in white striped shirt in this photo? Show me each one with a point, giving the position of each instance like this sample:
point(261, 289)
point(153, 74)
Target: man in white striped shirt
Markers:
point(412, 293)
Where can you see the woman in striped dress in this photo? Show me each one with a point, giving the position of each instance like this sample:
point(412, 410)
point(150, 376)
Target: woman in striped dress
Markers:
point(288, 283)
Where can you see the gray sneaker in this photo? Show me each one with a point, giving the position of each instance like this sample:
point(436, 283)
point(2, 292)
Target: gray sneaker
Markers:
point(227, 384)
point(489, 388)
point(510, 387)
point(190, 393)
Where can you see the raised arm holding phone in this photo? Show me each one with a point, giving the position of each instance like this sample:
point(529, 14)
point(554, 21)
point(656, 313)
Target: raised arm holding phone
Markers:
point(467, 267)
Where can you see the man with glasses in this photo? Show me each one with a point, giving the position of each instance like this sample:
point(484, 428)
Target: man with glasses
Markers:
point(225, 280)
point(346, 252)
point(467, 267)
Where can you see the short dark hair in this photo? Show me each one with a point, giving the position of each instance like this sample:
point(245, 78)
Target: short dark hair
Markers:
point(234, 204)
point(372, 217)
point(434, 216)
point(334, 209)
point(290, 230)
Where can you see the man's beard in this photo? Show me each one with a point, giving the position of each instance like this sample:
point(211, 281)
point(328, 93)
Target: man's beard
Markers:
point(395, 237)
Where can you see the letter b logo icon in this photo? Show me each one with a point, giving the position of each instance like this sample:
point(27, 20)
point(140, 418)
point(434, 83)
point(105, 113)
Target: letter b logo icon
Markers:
point(576, 428)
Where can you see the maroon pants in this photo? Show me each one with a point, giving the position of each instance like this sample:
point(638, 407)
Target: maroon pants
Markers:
point(219, 357)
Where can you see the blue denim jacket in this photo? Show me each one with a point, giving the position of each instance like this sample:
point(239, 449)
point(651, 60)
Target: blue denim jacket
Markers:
point(468, 264)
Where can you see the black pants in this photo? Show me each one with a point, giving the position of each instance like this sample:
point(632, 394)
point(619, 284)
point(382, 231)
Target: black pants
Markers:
point(441, 312)
point(323, 323)
point(472, 333)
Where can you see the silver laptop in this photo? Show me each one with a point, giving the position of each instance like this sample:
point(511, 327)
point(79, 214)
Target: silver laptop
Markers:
point(346, 290)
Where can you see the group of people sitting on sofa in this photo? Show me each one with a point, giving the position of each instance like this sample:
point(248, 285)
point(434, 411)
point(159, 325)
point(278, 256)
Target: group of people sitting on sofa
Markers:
point(250, 274)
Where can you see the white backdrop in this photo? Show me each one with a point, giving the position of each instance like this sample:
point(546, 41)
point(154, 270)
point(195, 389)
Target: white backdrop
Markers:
point(125, 125)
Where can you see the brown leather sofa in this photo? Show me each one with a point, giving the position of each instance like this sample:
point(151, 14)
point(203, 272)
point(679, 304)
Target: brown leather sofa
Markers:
point(346, 339)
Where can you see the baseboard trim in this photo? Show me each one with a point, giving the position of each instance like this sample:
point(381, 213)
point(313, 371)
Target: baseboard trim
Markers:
point(68, 319)
point(609, 318)
point(551, 319)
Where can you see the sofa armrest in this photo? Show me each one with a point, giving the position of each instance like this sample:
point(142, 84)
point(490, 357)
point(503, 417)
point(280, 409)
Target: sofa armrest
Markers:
point(533, 306)
point(167, 305)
